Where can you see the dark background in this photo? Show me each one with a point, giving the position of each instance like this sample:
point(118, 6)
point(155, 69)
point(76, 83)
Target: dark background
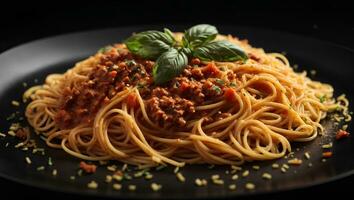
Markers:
point(326, 20)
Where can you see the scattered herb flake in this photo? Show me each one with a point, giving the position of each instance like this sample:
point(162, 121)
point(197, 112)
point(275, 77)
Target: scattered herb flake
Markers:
point(109, 178)
point(92, 185)
point(245, 173)
point(307, 155)
point(160, 167)
point(234, 177)
point(322, 98)
point(295, 161)
point(132, 187)
point(15, 103)
point(180, 177)
point(28, 160)
point(117, 186)
point(220, 81)
point(217, 89)
point(256, 167)
point(250, 186)
point(267, 176)
point(50, 162)
point(156, 187)
point(232, 187)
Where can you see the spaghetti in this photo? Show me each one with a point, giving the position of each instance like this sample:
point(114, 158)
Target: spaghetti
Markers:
point(108, 108)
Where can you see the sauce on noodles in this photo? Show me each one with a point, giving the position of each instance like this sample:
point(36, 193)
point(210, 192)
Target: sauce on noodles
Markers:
point(107, 107)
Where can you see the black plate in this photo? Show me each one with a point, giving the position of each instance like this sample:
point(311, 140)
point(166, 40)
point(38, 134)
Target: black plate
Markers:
point(33, 61)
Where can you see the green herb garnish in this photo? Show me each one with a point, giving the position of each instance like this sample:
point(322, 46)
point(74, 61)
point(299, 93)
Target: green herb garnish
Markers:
point(140, 85)
point(220, 51)
point(322, 98)
point(220, 81)
point(130, 63)
point(149, 44)
point(160, 167)
point(217, 89)
point(199, 35)
point(50, 162)
point(171, 57)
point(105, 49)
point(232, 84)
point(169, 65)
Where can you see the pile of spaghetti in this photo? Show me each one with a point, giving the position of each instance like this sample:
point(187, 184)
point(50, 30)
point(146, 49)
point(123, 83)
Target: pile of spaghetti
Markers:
point(108, 107)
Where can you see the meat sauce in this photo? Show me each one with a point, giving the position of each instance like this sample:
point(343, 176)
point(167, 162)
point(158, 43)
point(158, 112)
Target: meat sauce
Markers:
point(168, 105)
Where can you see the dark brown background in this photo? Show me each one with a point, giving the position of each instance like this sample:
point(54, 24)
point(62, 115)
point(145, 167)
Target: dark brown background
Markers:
point(326, 20)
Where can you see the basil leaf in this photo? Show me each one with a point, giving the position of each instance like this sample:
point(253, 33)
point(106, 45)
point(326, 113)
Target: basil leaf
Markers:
point(169, 33)
point(199, 35)
point(186, 51)
point(149, 44)
point(220, 51)
point(169, 65)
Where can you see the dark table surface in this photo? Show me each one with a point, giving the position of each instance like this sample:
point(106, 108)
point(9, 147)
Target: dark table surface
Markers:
point(329, 20)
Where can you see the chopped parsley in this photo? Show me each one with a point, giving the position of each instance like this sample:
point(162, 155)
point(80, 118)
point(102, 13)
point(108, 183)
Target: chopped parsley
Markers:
point(232, 84)
point(105, 49)
point(50, 162)
point(134, 78)
point(220, 81)
point(135, 68)
point(322, 98)
point(130, 63)
point(140, 85)
point(217, 89)
point(11, 117)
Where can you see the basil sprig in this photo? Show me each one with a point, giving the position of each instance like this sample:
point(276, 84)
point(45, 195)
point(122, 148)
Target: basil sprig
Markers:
point(171, 57)
point(150, 44)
